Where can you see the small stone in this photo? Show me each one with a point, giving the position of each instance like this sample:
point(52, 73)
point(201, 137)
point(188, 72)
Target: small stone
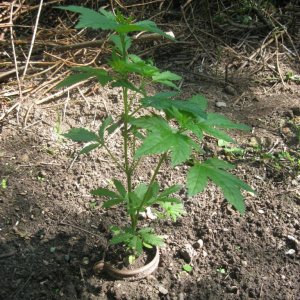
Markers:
point(244, 263)
point(204, 253)
point(198, 244)
point(230, 90)
point(221, 104)
point(260, 211)
point(225, 229)
point(163, 290)
point(181, 296)
point(293, 239)
point(149, 214)
point(290, 252)
point(188, 253)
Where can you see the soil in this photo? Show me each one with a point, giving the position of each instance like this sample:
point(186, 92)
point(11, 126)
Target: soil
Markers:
point(52, 230)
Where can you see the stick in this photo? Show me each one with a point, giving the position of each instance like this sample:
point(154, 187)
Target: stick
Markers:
point(33, 37)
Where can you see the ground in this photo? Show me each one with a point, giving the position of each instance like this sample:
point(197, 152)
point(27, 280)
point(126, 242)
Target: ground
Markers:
point(52, 230)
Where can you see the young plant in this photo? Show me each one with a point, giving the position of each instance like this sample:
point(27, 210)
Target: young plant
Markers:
point(172, 130)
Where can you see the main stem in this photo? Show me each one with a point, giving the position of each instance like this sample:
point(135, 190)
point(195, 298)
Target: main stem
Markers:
point(128, 169)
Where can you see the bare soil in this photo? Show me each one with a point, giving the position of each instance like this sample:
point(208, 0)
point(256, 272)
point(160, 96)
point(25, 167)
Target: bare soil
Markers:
point(52, 230)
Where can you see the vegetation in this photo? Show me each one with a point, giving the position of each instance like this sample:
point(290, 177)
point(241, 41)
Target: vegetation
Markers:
point(172, 129)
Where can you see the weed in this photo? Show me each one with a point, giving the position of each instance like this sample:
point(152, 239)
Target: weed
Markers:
point(172, 130)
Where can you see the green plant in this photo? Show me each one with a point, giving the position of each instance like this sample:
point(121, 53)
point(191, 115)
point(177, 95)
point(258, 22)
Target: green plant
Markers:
point(172, 129)
point(187, 268)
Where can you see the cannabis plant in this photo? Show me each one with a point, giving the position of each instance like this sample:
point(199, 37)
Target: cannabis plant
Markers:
point(172, 130)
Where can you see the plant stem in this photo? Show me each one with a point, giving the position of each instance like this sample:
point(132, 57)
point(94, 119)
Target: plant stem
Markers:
point(113, 158)
point(161, 160)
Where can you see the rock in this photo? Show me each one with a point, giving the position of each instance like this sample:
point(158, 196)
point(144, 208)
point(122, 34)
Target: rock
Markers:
point(230, 90)
point(290, 252)
point(204, 253)
point(260, 211)
point(244, 263)
point(198, 244)
point(221, 104)
point(188, 253)
point(163, 290)
point(181, 296)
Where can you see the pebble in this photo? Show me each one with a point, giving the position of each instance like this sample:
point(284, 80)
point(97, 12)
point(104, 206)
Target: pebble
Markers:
point(290, 252)
point(221, 104)
point(188, 253)
point(260, 211)
point(181, 296)
point(163, 290)
point(230, 90)
point(244, 263)
point(204, 253)
point(198, 244)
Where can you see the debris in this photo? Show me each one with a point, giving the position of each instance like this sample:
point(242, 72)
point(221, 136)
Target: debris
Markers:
point(230, 90)
point(221, 104)
point(198, 244)
point(188, 253)
point(290, 252)
point(163, 290)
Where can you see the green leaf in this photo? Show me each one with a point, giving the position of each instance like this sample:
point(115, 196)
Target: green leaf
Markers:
point(154, 124)
point(126, 84)
point(166, 78)
point(104, 192)
point(84, 73)
point(81, 135)
point(221, 121)
point(92, 19)
point(187, 268)
point(112, 202)
point(200, 100)
point(170, 190)
point(210, 130)
point(89, 148)
point(122, 237)
point(230, 185)
point(151, 238)
point(165, 103)
point(116, 39)
point(196, 180)
point(173, 209)
point(134, 202)
point(102, 128)
point(120, 188)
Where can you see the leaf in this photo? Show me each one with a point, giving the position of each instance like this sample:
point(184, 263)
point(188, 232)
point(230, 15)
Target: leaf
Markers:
point(170, 190)
point(116, 39)
point(187, 268)
point(134, 202)
point(200, 100)
point(122, 237)
point(173, 210)
point(154, 124)
point(89, 148)
point(102, 128)
point(196, 180)
point(112, 202)
point(92, 19)
point(230, 185)
point(120, 188)
point(221, 121)
point(81, 135)
point(104, 192)
point(165, 103)
point(84, 73)
point(166, 78)
point(126, 84)
point(151, 238)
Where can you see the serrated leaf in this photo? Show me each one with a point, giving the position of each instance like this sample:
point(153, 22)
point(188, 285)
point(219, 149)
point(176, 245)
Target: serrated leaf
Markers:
point(92, 19)
point(215, 170)
point(123, 237)
point(104, 192)
point(126, 84)
point(196, 180)
point(84, 73)
point(120, 187)
point(200, 100)
point(166, 78)
point(160, 142)
point(170, 190)
point(158, 102)
point(210, 130)
point(152, 239)
point(154, 124)
point(221, 121)
point(81, 135)
point(173, 210)
point(112, 202)
point(116, 39)
point(102, 128)
point(89, 148)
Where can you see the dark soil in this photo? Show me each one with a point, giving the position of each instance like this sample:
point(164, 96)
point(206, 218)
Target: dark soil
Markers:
point(52, 230)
